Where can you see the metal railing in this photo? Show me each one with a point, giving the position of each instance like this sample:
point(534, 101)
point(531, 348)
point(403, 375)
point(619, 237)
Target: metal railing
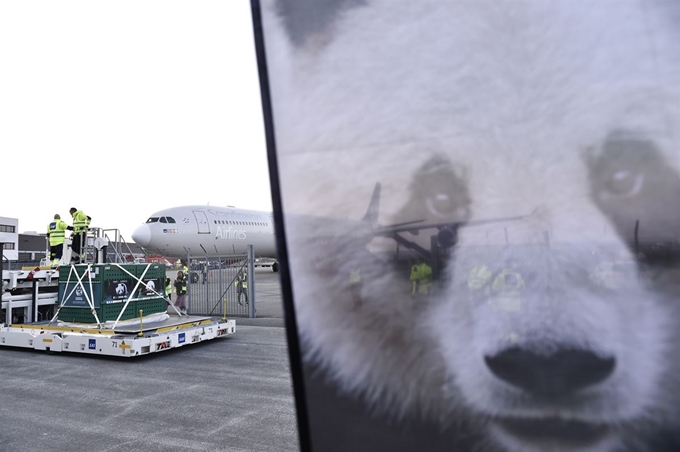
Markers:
point(215, 287)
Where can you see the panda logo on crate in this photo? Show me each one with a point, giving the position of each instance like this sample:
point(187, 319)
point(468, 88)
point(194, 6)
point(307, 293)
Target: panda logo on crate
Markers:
point(121, 289)
point(150, 287)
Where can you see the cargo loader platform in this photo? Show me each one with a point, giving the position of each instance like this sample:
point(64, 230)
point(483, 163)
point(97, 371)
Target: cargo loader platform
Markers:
point(107, 309)
point(124, 341)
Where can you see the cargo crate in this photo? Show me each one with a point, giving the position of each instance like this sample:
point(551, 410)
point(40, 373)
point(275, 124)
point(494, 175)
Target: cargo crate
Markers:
point(152, 306)
point(110, 287)
point(77, 271)
point(109, 312)
point(110, 271)
point(76, 315)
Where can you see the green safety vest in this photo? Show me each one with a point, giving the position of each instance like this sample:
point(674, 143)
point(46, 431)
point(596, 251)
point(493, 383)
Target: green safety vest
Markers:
point(80, 222)
point(56, 231)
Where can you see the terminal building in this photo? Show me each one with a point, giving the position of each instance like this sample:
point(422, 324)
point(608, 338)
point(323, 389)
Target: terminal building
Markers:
point(10, 238)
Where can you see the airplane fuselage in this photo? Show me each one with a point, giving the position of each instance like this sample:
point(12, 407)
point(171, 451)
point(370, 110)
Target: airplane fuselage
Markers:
point(207, 230)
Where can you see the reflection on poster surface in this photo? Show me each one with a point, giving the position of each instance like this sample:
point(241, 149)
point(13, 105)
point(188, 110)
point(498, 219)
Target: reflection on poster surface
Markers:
point(513, 279)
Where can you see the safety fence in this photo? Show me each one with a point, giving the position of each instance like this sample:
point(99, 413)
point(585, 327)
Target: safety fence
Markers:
point(219, 283)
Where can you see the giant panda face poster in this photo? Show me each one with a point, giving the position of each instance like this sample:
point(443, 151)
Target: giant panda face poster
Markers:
point(480, 205)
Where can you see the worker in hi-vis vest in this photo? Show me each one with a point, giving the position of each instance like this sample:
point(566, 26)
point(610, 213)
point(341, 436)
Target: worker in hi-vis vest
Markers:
point(421, 278)
point(56, 232)
point(181, 291)
point(185, 269)
point(479, 282)
point(242, 286)
point(168, 288)
point(507, 289)
point(79, 228)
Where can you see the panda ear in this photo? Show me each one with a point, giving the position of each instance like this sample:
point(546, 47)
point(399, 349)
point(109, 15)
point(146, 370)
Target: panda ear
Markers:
point(305, 18)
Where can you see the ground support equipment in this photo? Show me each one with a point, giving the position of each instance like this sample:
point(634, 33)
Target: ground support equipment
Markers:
point(125, 341)
point(47, 293)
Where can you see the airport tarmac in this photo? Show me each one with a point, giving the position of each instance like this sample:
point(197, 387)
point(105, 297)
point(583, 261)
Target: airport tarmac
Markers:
point(228, 394)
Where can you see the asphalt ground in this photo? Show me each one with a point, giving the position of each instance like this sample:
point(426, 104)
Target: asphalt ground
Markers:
point(227, 394)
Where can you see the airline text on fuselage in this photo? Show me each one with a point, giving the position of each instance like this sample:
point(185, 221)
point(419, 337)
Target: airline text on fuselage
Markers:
point(227, 232)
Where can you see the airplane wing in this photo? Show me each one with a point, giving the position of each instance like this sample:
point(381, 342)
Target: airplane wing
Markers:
point(413, 229)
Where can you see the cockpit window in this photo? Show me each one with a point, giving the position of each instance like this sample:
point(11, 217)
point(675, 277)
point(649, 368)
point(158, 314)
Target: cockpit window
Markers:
point(152, 220)
point(170, 220)
point(163, 220)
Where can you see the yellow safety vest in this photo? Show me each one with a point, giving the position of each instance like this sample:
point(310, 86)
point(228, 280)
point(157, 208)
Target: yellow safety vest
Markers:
point(421, 277)
point(509, 282)
point(507, 290)
point(242, 280)
point(80, 222)
point(56, 231)
point(479, 277)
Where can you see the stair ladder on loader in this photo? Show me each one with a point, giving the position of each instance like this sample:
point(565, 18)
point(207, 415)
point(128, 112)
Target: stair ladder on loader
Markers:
point(118, 247)
point(100, 246)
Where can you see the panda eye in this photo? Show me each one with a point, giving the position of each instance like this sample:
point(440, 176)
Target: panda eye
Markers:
point(623, 167)
point(439, 204)
point(622, 184)
point(445, 206)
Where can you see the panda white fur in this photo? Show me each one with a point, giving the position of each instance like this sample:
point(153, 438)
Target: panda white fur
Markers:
point(470, 110)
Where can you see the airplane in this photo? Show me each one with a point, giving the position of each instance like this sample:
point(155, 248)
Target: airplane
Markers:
point(208, 231)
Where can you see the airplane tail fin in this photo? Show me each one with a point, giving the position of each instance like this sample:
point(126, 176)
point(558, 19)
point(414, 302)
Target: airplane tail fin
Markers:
point(373, 210)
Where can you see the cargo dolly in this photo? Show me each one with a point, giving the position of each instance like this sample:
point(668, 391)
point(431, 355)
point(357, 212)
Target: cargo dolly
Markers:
point(102, 309)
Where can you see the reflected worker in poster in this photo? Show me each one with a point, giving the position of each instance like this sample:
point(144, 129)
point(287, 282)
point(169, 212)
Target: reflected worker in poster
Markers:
point(527, 151)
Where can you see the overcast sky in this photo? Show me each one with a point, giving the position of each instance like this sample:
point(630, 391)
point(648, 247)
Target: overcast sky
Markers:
point(123, 108)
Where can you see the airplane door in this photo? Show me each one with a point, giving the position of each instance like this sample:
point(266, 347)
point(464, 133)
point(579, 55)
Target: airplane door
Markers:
point(202, 220)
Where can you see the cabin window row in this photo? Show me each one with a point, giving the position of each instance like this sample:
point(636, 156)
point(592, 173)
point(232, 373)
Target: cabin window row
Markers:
point(242, 223)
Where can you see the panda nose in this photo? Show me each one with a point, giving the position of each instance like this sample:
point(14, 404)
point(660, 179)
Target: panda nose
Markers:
point(558, 374)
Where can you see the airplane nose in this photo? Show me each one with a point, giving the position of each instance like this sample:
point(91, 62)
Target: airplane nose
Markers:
point(142, 235)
